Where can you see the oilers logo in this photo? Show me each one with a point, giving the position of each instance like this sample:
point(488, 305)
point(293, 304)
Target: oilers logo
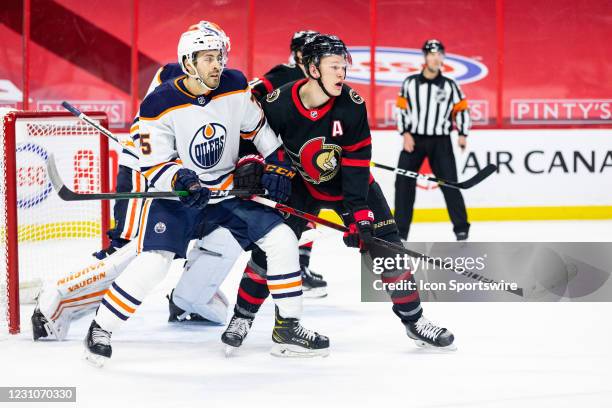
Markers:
point(207, 145)
point(317, 161)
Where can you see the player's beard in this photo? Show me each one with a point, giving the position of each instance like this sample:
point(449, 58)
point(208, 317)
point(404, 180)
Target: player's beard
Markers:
point(213, 81)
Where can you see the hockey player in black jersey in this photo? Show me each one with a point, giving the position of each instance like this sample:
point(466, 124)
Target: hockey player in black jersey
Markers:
point(323, 126)
point(313, 283)
point(284, 73)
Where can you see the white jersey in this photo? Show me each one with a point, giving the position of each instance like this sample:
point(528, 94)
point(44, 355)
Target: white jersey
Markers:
point(201, 133)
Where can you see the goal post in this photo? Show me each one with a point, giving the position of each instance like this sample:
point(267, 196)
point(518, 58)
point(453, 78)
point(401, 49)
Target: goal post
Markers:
point(41, 236)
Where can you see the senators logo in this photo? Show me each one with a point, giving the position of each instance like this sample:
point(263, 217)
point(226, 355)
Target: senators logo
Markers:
point(355, 97)
point(318, 162)
point(271, 97)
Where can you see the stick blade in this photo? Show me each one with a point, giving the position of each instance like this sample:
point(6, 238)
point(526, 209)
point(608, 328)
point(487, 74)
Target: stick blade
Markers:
point(62, 191)
point(478, 177)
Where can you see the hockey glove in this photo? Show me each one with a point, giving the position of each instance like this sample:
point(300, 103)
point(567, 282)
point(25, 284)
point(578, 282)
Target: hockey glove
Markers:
point(188, 180)
point(249, 170)
point(277, 176)
point(360, 230)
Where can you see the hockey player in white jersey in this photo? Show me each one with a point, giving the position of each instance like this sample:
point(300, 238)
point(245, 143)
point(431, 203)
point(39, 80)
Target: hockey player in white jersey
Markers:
point(190, 129)
point(197, 296)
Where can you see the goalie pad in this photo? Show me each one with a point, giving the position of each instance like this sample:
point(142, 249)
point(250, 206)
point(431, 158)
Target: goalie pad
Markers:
point(79, 292)
point(208, 263)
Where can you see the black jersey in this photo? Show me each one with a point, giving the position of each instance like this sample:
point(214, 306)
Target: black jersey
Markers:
point(330, 146)
point(275, 78)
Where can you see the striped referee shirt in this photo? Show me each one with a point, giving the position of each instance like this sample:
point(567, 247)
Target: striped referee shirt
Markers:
point(428, 107)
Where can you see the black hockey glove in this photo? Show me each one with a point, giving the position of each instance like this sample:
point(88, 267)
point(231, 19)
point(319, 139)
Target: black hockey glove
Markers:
point(360, 233)
point(277, 176)
point(188, 180)
point(249, 170)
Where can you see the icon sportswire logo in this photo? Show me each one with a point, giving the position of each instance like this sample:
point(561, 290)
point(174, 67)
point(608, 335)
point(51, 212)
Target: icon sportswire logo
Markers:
point(393, 65)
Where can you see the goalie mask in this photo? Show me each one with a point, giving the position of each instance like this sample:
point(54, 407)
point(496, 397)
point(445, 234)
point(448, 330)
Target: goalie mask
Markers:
point(204, 36)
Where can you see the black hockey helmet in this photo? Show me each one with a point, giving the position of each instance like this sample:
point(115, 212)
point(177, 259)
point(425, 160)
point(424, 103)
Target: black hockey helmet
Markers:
point(322, 45)
point(433, 45)
point(299, 39)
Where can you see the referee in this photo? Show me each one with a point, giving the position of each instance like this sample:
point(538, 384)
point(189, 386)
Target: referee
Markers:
point(428, 104)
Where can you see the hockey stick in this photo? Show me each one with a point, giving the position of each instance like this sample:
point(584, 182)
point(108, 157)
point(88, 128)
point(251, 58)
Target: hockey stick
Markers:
point(338, 227)
point(391, 245)
point(130, 149)
point(471, 182)
point(68, 195)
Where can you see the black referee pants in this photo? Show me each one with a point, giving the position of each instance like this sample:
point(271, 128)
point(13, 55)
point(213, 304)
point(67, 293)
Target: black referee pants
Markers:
point(442, 160)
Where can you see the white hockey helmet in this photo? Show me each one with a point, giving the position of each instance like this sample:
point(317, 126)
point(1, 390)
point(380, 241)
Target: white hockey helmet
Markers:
point(203, 36)
point(207, 25)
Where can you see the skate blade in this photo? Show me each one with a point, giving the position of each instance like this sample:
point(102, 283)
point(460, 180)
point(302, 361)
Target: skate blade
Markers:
point(314, 293)
point(230, 350)
point(95, 359)
point(293, 351)
point(424, 345)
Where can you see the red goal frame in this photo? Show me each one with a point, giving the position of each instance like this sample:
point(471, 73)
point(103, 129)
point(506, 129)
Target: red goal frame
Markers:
point(10, 200)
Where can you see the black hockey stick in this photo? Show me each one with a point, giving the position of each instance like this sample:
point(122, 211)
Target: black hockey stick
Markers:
point(68, 195)
point(129, 149)
point(391, 245)
point(471, 182)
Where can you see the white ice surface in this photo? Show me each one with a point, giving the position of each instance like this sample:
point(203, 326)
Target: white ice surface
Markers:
point(510, 354)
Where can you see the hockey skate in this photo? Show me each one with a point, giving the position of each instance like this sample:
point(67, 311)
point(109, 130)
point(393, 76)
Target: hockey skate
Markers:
point(427, 335)
point(178, 315)
point(98, 349)
point(293, 340)
point(313, 284)
point(235, 333)
point(40, 325)
point(462, 236)
point(45, 329)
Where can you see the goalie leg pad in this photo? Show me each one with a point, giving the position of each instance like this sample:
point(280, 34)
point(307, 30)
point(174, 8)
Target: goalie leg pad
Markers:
point(207, 266)
point(75, 294)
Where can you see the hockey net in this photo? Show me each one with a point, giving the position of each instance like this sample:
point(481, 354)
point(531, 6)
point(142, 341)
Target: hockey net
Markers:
point(43, 237)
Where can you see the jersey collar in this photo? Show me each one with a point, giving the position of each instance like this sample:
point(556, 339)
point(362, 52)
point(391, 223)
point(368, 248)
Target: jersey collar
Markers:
point(180, 86)
point(436, 80)
point(312, 114)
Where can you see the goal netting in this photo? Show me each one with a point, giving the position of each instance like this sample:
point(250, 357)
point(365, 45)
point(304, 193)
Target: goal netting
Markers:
point(43, 237)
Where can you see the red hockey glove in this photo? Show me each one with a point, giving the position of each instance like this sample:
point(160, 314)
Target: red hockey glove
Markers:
point(360, 233)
